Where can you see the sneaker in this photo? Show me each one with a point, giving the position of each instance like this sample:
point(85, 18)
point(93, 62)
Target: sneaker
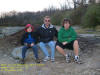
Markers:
point(37, 60)
point(46, 58)
point(22, 61)
point(68, 60)
point(77, 60)
point(52, 59)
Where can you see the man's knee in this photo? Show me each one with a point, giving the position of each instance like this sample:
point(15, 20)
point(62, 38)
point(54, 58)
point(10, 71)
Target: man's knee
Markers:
point(41, 44)
point(52, 43)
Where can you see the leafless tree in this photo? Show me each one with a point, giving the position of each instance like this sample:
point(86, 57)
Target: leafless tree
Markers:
point(79, 3)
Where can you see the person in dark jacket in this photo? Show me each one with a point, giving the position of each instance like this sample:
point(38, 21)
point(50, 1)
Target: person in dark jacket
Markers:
point(67, 38)
point(29, 41)
point(46, 34)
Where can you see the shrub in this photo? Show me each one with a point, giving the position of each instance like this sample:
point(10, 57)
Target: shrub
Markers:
point(57, 18)
point(76, 15)
point(92, 16)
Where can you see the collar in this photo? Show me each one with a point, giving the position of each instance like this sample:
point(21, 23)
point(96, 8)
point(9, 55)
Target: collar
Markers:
point(66, 29)
point(50, 26)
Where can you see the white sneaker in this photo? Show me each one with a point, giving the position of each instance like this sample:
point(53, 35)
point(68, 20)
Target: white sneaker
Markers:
point(52, 59)
point(68, 60)
point(78, 61)
point(46, 58)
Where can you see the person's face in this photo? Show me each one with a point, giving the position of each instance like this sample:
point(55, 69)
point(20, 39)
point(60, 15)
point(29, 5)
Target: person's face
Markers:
point(47, 21)
point(66, 25)
point(29, 29)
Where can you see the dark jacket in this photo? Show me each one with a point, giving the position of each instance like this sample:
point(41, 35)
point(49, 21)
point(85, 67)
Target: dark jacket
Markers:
point(46, 34)
point(25, 35)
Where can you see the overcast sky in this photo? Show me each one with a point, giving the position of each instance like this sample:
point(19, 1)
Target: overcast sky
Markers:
point(28, 5)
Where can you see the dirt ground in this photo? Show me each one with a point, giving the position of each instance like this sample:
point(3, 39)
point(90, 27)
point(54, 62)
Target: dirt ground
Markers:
point(91, 65)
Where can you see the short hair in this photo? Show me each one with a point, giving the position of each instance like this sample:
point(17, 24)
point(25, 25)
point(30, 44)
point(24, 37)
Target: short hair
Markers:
point(46, 17)
point(65, 20)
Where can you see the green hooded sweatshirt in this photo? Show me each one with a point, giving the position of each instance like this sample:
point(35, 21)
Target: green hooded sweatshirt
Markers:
point(66, 35)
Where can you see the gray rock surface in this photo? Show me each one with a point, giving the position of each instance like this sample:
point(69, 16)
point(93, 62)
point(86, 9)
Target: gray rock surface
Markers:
point(17, 52)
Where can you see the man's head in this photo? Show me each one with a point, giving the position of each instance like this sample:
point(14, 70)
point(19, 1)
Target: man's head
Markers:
point(47, 20)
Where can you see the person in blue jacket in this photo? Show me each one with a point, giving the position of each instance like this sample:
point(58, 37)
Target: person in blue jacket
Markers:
point(29, 41)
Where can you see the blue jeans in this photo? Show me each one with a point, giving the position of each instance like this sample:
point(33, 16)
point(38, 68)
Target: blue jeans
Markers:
point(35, 51)
point(51, 44)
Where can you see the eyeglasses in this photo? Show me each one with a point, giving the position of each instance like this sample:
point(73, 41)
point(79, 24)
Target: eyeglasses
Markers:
point(47, 20)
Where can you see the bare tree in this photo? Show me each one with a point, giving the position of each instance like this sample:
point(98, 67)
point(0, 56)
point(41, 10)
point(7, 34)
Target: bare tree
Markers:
point(79, 3)
point(65, 5)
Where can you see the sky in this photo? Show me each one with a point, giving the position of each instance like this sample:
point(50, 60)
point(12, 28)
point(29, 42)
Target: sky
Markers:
point(28, 5)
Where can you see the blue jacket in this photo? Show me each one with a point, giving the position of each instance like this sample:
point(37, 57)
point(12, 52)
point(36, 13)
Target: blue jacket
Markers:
point(29, 38)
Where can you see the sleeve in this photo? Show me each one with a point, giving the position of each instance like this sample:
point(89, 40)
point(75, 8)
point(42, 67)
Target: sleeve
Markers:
point(37, 32)
point(56, 32)
point(35, 37)
point(60, 38)
point(73, 36)
point(22, 39)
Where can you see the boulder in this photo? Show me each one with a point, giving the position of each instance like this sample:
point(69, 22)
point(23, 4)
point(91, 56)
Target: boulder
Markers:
point(17, 52)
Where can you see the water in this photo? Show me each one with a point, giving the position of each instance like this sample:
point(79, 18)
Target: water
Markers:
point(87, 35)
point(6, 31)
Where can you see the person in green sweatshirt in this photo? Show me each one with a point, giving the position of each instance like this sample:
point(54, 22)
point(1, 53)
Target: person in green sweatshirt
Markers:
point(67, 38)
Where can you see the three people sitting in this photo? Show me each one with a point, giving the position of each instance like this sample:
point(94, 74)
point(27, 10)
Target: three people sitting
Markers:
point(66, 38)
